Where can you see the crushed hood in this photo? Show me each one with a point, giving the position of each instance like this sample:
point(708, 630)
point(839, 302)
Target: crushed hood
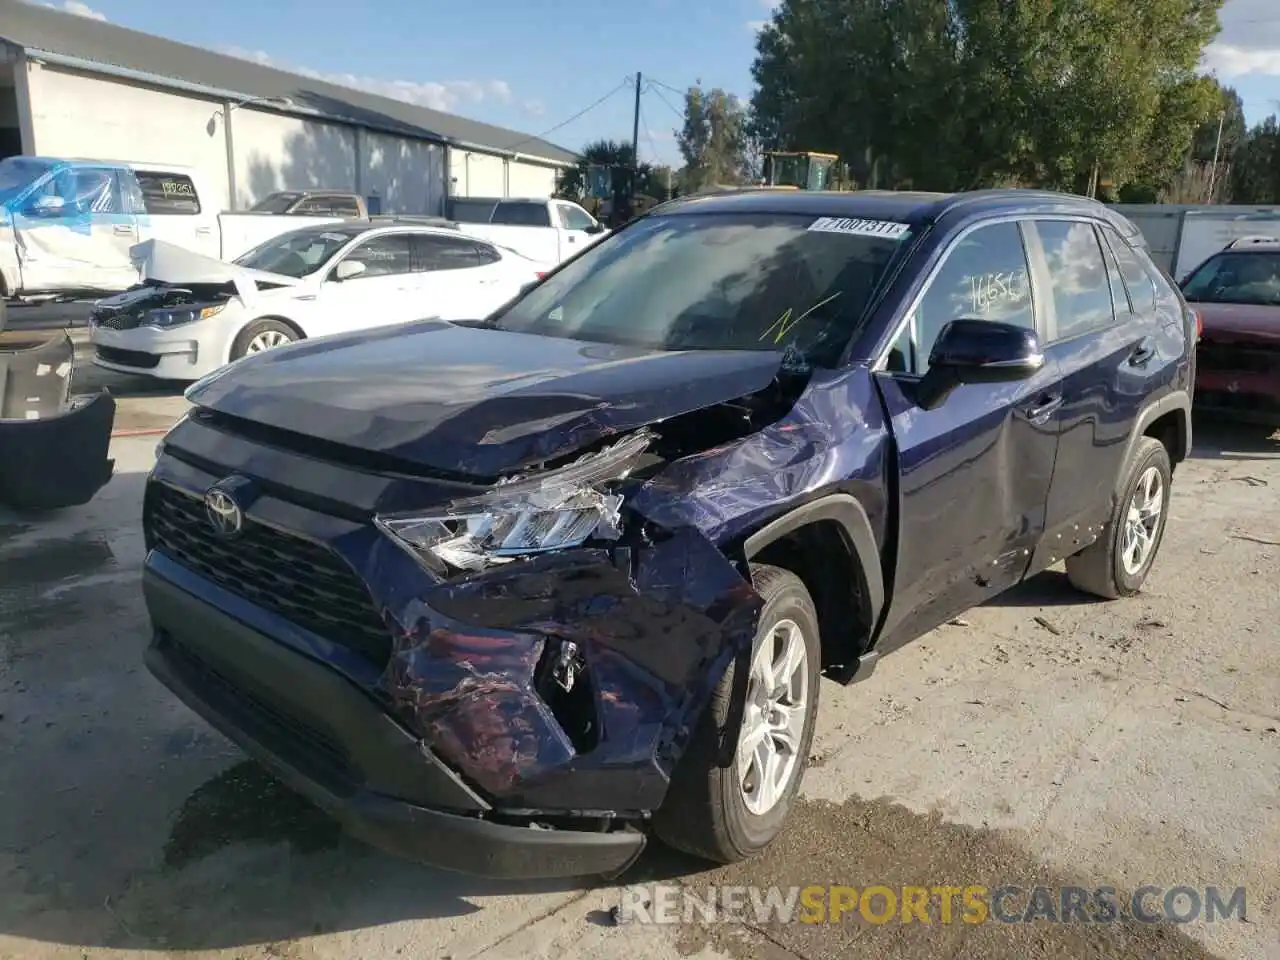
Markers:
point(172, 264)
point(473, 401)
point(1239, 322)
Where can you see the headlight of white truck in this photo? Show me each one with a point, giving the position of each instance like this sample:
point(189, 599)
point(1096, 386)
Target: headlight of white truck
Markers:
point(523, 516)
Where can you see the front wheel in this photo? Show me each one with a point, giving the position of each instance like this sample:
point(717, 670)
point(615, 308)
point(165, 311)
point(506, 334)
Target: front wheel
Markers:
point(1117, 564)
point(728, 812)
point(262, 335)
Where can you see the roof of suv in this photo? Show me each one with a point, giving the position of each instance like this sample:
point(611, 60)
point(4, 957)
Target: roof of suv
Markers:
point(902, 206)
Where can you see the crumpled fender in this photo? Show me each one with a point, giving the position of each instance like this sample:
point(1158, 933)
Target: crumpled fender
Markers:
point(657, 618)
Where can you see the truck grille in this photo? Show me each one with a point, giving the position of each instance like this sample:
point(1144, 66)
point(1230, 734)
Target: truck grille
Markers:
point(301, 581)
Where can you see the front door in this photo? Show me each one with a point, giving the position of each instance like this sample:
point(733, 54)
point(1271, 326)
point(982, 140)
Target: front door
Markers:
point(976, 470)
point(575, 224)
point(386, 292)
point(73, 233)
point(1104, 334)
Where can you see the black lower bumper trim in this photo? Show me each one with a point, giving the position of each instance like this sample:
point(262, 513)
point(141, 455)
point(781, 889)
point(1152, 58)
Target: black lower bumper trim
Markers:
point(260, 700)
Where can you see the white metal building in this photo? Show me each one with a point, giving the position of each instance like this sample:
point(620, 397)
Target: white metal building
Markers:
point(71, 86)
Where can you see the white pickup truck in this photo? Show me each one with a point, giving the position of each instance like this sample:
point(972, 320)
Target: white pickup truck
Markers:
point(547, 230)
point(66, 226)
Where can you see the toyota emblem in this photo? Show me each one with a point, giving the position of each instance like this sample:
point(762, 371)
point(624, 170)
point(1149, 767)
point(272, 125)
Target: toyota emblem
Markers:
point(225, 515)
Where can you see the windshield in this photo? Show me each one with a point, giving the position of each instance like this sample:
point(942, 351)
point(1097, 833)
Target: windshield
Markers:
point(274, 203)
point(717, 282)
point(296, 254)
point(1252, 277)
point(17, 173)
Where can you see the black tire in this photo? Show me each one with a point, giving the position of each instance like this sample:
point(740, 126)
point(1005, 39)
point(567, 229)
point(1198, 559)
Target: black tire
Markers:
point(705, 813)
point(1099, 569)
point(241, 345)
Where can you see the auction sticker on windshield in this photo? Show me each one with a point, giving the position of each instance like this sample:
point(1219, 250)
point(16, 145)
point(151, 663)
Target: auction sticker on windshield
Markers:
point(860, 227)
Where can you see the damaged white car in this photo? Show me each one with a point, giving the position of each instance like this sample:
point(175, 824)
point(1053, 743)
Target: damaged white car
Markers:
point(193, 314)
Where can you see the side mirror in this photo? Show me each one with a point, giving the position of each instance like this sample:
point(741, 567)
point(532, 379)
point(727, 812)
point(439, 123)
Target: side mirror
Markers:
point(978, 351)
point(349, 269)
point(595, 228)
point(46, 206)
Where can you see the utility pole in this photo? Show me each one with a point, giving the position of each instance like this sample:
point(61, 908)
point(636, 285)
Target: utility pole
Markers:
point(635, 130)
point(1217, 145)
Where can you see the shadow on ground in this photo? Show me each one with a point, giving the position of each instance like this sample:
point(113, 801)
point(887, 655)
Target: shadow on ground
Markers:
point(1220, 438)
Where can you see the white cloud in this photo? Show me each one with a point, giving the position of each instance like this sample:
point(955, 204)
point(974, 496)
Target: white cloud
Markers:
point(442, 95)
point(72, 6)
point(1249, 41)
point(535, 108)
point(82, 10)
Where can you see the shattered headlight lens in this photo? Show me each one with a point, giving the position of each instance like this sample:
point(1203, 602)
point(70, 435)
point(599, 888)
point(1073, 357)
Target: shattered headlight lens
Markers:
point(524, 515)
point(176, 316)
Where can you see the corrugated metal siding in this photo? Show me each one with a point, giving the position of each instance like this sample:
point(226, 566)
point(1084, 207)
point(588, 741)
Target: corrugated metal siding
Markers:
point(81, 116)
point(530, 180)
point(36, 27)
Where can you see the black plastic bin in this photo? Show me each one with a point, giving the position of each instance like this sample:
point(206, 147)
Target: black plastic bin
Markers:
point(54, 449)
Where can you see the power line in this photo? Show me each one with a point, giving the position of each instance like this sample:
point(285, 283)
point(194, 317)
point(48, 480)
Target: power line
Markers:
point(648, 134)
point(658, 93)
point(666, 86)
point(628, 82)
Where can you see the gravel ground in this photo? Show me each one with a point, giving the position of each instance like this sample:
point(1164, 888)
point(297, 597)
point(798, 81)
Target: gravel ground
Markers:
point(1041, 739)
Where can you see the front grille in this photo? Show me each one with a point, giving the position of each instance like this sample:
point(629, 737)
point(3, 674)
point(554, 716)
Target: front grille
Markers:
point(129, 358)
point(117, 319)
point(305, 583)
point(1232, 359)
point(307, 744)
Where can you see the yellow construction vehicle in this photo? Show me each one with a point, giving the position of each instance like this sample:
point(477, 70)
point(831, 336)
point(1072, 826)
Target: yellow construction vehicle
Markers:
point(805, 170)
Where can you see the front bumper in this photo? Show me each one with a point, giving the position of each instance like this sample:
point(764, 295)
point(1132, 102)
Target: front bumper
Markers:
point(335, 744)
point(186, 352)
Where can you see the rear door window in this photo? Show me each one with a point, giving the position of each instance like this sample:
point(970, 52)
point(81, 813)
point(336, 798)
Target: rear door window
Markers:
point(1078, 277)
point(516, 213)
point(168, 194)
point(446, 253)
point(1137, 279)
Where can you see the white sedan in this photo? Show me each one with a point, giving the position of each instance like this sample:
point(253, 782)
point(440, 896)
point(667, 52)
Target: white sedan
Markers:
point(193, 314)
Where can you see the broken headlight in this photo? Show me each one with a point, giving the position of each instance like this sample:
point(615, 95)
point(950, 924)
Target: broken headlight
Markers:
point(524, 515)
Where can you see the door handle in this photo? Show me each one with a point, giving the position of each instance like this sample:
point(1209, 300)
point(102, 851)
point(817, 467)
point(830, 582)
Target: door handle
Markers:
point(1142, 353)
point(203, 231)
point(573, 239)
point(1043, 408)
point(124, 229)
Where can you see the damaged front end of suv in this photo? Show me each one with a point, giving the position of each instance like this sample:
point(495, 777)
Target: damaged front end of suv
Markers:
point(490, 612)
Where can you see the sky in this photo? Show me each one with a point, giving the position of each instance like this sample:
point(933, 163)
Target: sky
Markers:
point(567, 74)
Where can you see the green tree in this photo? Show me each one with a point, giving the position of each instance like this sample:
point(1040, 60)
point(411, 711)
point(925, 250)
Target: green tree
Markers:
point(968, 93)
point(572, 183)
point(1255, 170)
point(713, 139)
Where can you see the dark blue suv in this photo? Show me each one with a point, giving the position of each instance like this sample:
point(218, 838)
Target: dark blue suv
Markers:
point(511, 596)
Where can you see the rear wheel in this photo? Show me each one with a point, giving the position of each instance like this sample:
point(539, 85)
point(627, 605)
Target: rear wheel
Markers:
point(1116, 565)
point(261, 336)
point(730, 811)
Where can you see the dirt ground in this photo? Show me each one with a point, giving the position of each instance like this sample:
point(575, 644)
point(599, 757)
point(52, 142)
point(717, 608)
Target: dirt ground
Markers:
point(1042, 739)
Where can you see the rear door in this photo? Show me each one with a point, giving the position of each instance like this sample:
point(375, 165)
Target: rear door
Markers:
point(386, 292)
point(974, 471)
point(74, 232)
point(459, 278)
point(1104, 334)
point(175, 212)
